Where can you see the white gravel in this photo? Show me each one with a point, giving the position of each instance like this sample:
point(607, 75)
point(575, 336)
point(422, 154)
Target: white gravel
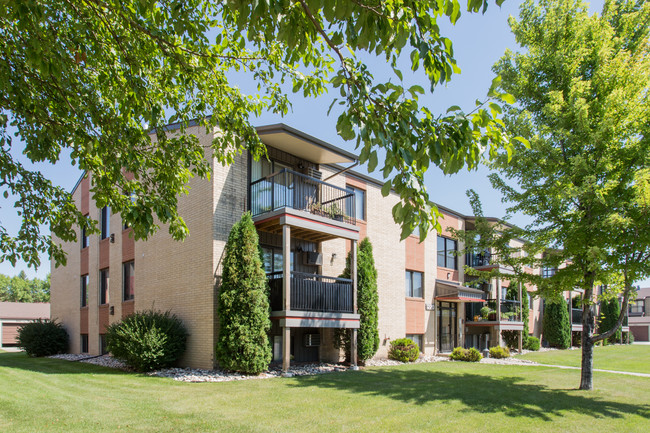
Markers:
point(104, 360)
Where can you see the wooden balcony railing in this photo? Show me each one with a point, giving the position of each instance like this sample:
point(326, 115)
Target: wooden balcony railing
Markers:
point(311, 292)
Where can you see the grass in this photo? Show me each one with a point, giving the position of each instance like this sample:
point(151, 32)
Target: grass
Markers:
point(54, 395)
point(618, 358)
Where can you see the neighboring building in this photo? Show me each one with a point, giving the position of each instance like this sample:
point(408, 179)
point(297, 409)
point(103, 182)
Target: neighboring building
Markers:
point(639, 315)
point(13, 315)
point(310, 212)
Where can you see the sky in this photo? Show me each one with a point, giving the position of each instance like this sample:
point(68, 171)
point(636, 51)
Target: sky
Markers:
point(478, 40)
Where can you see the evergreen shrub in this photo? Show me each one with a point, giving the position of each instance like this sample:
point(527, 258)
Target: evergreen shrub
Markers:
point(499, 352)
point(244, 322)
point(43, 337)
point(467, 355)
point(403, 350)
point(556, 326)
point(610, 309)
point(147, 340)
point(532, 343)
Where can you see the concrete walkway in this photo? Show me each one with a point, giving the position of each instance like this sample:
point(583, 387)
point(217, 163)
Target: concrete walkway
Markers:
point(566, 367)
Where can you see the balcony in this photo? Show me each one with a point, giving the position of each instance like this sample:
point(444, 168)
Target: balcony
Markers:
point(475, 260)
point(576, 316)
point(314, 293)
point(510, 314)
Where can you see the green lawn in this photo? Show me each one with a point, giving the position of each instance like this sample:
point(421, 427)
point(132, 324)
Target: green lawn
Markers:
point(619, 358)
point(39, 395)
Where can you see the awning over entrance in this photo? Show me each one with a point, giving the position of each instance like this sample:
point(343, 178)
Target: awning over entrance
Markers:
point(454, 292)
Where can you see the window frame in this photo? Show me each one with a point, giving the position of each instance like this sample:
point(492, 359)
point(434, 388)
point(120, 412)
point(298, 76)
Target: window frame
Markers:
point(105, 222)
point(83, 283)
point(417, 339)
point(83, 343)
point(104, 282)
point(125, 276)
point(84, 238)
point(445, 253)
point(408, 284)
point(358, 192)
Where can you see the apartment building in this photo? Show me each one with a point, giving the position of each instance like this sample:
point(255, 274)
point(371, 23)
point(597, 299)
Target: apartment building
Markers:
point(639, 315)
point(310, 211)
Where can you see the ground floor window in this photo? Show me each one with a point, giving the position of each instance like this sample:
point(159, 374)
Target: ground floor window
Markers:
point(417, 339)
point(84, 343)
point(103, 350)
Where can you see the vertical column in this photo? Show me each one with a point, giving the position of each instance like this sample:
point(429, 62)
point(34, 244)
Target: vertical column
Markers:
point(521, 317)
point(497, 296)
point(353, 274)
point(286, 296)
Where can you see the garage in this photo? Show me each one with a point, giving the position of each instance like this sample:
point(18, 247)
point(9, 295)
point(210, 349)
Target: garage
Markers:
point(10, 333)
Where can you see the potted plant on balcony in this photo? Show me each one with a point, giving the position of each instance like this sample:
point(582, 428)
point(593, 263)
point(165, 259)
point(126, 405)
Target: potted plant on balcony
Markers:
point(335, 212)
point(485, 312)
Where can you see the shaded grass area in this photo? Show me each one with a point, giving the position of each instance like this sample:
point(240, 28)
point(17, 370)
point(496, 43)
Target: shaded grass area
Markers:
point(633, 358)
point(55, 395)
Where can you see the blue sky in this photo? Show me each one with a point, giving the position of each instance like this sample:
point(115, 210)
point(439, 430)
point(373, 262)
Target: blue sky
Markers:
point(479, 41)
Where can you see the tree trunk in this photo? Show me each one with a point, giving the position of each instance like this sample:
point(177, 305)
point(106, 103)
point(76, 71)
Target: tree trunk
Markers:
point(587, 372)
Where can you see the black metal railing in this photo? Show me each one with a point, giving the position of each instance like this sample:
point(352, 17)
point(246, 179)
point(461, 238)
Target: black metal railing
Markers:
point(311, 292)
point(576, 316)
point(288, 188)
point(510, 311)
point(477, 260)
point(635, 310)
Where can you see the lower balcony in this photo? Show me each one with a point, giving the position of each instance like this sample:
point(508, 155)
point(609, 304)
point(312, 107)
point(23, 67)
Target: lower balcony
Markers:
point(479, 314)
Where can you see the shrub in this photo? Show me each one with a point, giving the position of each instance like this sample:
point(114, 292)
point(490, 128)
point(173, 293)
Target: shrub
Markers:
point(609, 312)
point(244, 322)
point(532, 343)
point(511, 339)
point(467, 355)
point(485, 312)
point(630, 338)
point(576, 338)
point(499, 352)
point(367, 305)
point(403, 350)
point(147, 340)
point(43, 337)
point(557, 329)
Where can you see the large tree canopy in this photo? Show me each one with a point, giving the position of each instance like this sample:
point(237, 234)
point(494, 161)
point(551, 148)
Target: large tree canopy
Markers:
point(96, 77)
point(582, 85)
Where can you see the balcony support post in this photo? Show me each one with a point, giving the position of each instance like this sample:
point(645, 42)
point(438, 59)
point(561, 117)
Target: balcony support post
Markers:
point(521, 316)
point(353, 275)
point(286, 296)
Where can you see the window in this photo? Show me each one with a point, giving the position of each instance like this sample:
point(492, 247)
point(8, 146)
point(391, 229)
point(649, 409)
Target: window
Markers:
point(128, 277)
point(84, 290)
point(84, 343)
point(446, 253)
point(548, 272)
point(102, 344)
point(417, 339)
point(359, 202)
point(273, 260)
point(413, 284)
point(84, 238)
point(103, 287)
point(636, 308)
point(105, 221)
point(530, 301)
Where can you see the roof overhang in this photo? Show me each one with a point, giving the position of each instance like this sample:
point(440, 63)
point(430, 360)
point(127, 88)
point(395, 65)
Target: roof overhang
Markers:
point(290, 140)
point(455, 292)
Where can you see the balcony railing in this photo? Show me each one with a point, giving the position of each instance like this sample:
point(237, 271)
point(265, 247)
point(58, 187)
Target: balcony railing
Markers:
point(311, 292)
point(510, 311)
point(288, 188)
point(477, 260)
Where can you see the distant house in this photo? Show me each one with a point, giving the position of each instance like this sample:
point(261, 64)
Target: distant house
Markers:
point(639, 315)
point(15, 314)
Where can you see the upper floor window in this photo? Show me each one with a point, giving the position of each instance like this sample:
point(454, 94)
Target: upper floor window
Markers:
point(548, 272)
point(414, 284)
point(84, 238)
point(103, 286)
point(446, 253)
point(128, 278)
point(636, 308)
point(105, 221)
point(359, 202)
point(84, 290)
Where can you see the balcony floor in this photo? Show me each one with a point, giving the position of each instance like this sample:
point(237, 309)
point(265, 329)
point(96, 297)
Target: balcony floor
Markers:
point(305, 225)
point(503, 324)
point(311, 319)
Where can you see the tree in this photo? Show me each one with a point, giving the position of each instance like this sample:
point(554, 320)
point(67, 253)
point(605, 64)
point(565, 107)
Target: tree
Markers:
point(100, 79)
point(244, 323)
point(556, 325)
point(581, 84)
point(367, 305)
point(19, 288)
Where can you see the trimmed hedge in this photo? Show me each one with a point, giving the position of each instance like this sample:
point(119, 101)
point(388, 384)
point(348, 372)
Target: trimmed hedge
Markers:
point(556, 325)
point(467, 355)
point(43, 337)
point(147, 340)
point(499, 352)
point(403, 350)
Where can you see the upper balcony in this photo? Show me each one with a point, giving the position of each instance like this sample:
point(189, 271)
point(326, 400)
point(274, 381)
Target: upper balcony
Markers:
point(316, 210)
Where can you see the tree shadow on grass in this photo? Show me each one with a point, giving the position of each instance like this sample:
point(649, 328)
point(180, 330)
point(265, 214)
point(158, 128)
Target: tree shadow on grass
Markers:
point(511, 395)
point(52, 366)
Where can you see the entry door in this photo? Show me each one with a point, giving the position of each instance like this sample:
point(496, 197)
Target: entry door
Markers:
point(447, 326)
